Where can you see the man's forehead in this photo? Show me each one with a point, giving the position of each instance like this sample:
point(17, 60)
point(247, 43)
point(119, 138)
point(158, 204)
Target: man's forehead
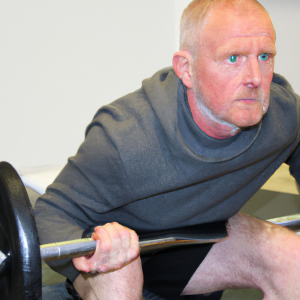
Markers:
point(243, 45)
point(225, 22)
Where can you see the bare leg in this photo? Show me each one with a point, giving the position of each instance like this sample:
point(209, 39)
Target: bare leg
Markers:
point(123, 284)
point(257, 255)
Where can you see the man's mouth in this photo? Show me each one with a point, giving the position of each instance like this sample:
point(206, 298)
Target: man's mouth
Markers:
point(249, 101)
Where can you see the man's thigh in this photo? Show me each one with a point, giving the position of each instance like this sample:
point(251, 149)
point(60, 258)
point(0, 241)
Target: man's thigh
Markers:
point(167, 272)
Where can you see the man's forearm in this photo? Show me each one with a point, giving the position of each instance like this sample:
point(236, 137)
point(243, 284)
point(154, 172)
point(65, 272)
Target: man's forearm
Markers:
point(123, 284)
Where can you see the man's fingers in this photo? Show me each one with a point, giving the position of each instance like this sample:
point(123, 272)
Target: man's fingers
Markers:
point(107, 250)
point(81, 264)
point(117, 246)
point(130, 244)
point(111, 237)
point(125, 238)
point(135, 246)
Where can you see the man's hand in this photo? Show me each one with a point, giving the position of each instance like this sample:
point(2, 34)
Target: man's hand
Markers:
point(117, 246)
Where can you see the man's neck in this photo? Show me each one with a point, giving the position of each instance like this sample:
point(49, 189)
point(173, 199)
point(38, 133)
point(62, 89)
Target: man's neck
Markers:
point(207, 122)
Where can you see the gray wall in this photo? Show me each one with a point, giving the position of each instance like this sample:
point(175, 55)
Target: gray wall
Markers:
point(63, 59)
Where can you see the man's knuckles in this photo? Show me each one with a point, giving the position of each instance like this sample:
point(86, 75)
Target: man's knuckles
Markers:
point(105, 247)
point(125, 235)
point(133, 254)
point(104, 269)
point(134, 236)
point(119, 244)
point(115, 224)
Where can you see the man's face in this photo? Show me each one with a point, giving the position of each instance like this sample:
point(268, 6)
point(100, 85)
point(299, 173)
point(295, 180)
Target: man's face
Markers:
point(234, 67)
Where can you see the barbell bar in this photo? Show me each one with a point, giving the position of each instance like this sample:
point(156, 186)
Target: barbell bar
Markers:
point(86, 246)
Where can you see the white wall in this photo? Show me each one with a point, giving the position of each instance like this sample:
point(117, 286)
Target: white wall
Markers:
point(286, 19)
point(60, 60)
point(180, 5)
point(63, 59)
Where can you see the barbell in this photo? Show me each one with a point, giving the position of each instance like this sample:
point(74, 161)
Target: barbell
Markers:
point(21, 252)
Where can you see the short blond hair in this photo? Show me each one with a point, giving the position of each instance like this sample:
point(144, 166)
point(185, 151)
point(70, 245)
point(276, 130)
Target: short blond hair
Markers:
point(193, 18)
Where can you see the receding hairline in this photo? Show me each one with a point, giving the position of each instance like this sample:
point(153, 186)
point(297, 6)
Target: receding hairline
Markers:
point(196, 14)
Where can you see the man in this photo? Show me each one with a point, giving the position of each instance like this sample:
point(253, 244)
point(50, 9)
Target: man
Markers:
point(186, 149)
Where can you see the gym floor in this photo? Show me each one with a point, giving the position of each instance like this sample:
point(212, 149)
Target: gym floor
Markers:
point(267, 203)
point(242, 294)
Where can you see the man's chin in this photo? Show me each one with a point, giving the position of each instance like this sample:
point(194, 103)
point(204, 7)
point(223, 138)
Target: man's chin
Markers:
point(242, 121)
point(248, 123)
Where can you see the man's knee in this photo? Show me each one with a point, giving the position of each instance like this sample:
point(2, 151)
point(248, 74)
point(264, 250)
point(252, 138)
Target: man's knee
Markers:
point(254, 255)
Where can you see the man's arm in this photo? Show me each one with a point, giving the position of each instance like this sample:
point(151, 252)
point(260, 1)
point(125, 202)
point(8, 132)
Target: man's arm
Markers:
point(89, 187)
point(294, 163)
point(123, 284)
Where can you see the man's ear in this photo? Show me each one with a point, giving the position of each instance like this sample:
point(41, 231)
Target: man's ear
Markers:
point(182, 64)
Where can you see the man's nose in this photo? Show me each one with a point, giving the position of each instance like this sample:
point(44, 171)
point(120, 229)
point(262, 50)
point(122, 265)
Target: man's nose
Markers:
point(252, 78)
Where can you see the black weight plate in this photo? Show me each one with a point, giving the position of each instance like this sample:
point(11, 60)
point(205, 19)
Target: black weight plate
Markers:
point(5, 282)
point(19, 235)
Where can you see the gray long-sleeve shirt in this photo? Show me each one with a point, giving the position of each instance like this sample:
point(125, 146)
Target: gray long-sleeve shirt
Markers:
point(147, 165)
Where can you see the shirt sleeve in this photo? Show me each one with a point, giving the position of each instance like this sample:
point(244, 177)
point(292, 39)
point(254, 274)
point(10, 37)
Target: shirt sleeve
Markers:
point(92, 183)
point(294, 163)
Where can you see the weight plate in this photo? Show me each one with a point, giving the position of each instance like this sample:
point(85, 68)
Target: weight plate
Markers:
point(18, 234)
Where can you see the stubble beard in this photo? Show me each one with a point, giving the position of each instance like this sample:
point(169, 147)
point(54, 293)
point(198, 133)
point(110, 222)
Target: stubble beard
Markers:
point(217, 120)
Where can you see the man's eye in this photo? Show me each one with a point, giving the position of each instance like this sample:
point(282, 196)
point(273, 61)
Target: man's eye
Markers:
point(263, 56)
point(232, 58)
